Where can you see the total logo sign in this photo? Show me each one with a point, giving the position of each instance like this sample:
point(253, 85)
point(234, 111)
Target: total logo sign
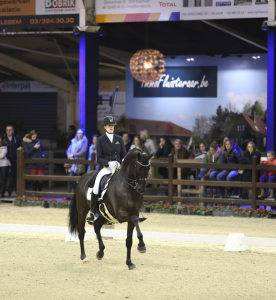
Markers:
point(60, 3)
point(167, 4)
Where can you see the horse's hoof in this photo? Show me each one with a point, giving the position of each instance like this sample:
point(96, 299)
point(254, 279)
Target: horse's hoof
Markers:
point(99, 256)
point(83, 257)
point(142, 249)
point(132, 267)
point(85, 261)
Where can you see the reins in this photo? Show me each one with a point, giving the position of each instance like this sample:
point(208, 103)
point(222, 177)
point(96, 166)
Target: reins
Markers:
point(133, 182)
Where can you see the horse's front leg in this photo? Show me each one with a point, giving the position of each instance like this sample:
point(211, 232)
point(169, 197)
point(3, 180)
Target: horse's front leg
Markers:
point(130, 228)
point(141, 246)
point(97, 228)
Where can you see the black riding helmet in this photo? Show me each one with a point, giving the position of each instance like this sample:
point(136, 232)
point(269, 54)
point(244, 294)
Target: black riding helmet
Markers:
point(109, 120)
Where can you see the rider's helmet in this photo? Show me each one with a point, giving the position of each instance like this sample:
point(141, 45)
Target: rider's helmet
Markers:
point(109, 120)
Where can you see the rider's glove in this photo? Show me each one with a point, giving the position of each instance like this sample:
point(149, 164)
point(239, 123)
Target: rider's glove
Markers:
point(113, 164)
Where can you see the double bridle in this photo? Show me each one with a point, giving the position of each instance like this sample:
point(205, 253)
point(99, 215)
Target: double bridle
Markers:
point(133, 182)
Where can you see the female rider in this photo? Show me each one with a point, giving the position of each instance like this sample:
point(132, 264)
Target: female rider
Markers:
point(110, 153)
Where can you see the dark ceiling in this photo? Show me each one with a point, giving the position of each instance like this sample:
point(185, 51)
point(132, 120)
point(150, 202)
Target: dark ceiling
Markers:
point(171, 38)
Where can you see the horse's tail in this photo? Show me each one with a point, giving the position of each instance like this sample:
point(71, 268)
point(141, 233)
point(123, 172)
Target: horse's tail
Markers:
point(73, 215)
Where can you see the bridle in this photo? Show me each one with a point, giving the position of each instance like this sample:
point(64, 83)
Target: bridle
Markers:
point(133, 182)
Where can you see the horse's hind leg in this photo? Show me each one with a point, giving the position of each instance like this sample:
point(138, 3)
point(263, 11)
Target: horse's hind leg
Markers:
point(129, 263)
point(97, 228)
point(81, 230)
point(141, 245)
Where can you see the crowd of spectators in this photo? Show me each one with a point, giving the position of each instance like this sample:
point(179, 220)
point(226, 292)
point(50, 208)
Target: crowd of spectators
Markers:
point(78, 148)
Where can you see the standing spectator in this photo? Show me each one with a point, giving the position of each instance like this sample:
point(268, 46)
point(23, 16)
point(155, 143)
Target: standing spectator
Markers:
point(231, 156)
point(247, 159)
point(34, 149)
point(14, 142)
point(268, 175)
point(148, 143)
point(71, 134)
point(4, 167)
point(203, 149)
point(93, 149)
point(77, 150)
point(126, 141)
point(179, 152)
point(137, 144)
point(164, 150)
point(214, 156)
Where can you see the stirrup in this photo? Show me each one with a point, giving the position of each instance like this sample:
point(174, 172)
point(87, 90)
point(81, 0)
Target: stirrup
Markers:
point(142, 220)
point(91, 219)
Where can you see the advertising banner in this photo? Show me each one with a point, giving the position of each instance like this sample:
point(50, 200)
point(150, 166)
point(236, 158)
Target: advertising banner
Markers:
point(197, 82)
point(175, 10)
point(25, 87)
point(38, 13)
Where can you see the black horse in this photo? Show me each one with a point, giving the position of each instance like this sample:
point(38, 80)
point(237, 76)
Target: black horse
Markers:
point(123, 199)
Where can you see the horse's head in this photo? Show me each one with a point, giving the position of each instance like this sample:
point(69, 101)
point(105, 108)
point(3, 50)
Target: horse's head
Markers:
point(141, 170)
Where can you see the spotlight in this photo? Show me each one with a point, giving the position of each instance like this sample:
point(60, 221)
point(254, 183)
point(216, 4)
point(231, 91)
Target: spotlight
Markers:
point(190, 59)
point(256, 57)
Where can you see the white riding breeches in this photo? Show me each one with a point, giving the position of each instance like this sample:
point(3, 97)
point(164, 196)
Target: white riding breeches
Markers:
point(103, 172)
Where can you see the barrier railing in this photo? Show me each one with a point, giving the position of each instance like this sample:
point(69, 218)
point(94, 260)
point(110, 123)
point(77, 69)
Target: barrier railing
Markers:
point(171, 181)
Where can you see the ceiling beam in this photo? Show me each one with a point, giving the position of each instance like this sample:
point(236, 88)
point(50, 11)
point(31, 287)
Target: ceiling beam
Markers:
point(34, 73)
point(246, 38)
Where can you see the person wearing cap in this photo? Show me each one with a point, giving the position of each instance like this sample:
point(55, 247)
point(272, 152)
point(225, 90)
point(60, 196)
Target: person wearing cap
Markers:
point(110, 153)
point(77, 150)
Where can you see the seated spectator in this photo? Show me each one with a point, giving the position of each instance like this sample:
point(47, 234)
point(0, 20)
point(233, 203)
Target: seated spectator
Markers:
point(203, 151)
point(93, 149)
point(126, 141)
point(147, 142)
point(235, 146)
point(34, 149)
point(164, 150)
point(247, 159)
point(214, 156)
point(77, 150)
point(268, 175)
point(137, 144)
point(180, 152)
point(231, 156)
point(4, 168)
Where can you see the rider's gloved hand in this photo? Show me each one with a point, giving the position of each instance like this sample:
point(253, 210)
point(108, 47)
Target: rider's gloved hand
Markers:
point(113, 164)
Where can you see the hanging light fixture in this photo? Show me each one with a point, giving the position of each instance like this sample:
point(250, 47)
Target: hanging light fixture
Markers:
point(147, 65)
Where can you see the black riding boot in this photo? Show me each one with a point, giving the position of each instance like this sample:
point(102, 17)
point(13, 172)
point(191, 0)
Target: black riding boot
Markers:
point(93, 205)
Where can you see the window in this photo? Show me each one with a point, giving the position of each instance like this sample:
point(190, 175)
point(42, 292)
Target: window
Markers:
point(241, 140)
point(243, 128)
point(256, 127)
point(238, 128)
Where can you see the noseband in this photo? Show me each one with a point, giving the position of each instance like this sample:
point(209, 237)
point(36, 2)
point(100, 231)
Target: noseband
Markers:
point(134, 182)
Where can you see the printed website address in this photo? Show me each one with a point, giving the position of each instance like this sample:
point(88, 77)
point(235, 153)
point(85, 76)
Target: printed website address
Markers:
point(258, 12)
point(13, 2)
point(139, 6)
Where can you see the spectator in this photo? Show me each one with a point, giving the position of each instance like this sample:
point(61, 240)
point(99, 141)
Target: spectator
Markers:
point(77, 150)
point(137, 144)
point(34, 149)
point(179, 152)
point(235, 146)
point(93, 149)
point(214, 156)
point(268, 175)
point(247, 159)
point(126, 141)
point(231, 156)
point(203, 151)
point(164, 150)
point(4, 167)
point(71, 134)
point(14, 142)
point(147, 142)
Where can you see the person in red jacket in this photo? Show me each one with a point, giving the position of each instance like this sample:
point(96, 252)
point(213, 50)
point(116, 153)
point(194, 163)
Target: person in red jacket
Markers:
point(268, 175)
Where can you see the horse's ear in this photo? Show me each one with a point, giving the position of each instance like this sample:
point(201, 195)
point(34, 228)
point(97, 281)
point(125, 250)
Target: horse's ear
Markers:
point(138, 155)
point(151, 155)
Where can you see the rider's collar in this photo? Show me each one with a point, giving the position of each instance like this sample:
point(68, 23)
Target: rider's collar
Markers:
point(110, 136)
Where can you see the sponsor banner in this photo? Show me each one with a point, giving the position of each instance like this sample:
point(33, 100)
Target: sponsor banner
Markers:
point(174, 10)
point(39, 21)
point(25, 87)
point(196, 82)
point(38, 13)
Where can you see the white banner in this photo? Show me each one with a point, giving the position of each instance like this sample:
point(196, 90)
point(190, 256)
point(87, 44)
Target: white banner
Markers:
point(56, 7)
point(175, 10)
point(25, 87)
